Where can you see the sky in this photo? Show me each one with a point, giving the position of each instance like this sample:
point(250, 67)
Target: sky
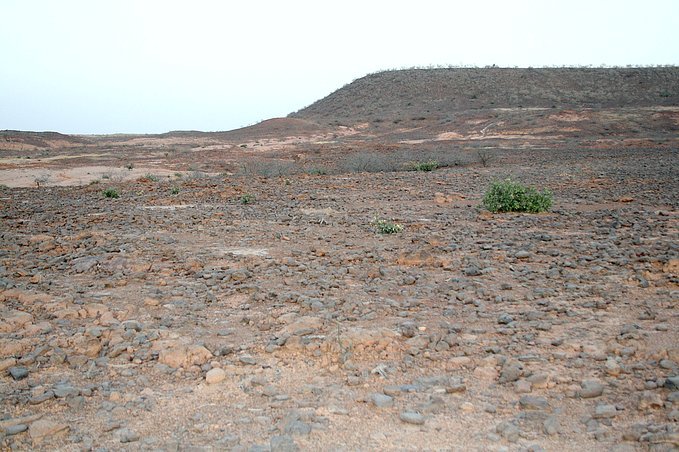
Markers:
point(147, 66)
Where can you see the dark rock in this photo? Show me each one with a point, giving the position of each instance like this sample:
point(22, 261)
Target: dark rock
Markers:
point(18, 373)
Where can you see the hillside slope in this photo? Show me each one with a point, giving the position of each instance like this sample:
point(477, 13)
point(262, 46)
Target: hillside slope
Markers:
point(434, 94)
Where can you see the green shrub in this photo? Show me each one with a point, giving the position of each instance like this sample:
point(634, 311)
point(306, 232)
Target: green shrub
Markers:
point(510, 196)
point(247, 198)
point(426, 166)
point(387, 226)
point(317, 171)
point(174, 190)
point(148, 177)
point(111, 193)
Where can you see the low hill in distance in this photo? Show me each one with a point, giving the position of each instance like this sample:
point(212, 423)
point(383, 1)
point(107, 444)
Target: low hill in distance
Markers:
point(413, 95)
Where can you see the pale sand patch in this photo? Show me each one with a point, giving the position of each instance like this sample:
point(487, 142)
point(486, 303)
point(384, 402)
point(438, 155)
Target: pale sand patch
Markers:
point(248, 251)
point(171, 207)
point(64, 177)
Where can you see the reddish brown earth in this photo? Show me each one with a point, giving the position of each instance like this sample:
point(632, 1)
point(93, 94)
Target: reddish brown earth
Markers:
point(178, 317)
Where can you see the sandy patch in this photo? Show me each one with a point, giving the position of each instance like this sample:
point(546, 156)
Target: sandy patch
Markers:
point(64, 177)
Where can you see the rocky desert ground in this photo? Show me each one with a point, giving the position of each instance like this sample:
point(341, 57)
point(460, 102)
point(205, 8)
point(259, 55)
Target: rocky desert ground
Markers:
point(236, 295)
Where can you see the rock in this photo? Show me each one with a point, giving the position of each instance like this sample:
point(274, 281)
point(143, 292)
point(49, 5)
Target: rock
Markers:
point(672, 383)
point(509, 431)
point(184, 356)
point(215, 376)
point(505, 319)
point(7, 363)
point(283, 443)
point(590, 389)
point(382, 400)
point(523, 254)
point(411, 417)
point(486, 373)
point(612, 367)
point(605, 411)
point(228, 441)
point(247, 360)
point(467, 407)
point(297, 427)
point(670, 438)
point(511, 371)
point(128, 436)
point(18, 373)
point(551, 426)
point(65, 390)
point(14, 321)
point(43, 429)
point(649, 400)
point(14, 429)
point(523, 386)
point(7, 423)
point(533, 403)
point(472, 270)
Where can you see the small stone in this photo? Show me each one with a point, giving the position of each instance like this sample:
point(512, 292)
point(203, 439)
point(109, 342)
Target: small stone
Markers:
point(454, 388)
point(605, 411)
point(533, 403)
point(649, 400)
point(297, 427)
point(14, 429)
point(472, 270)
point(551, 426)
point(511, 372)
point(523, 254)
point(248, 360)
point(7, 363)
point(18, 373)
point(411, 417)
point(590, 389)
point(672, 383)
point(382, 400)
point(283, 443)
point(523, 386)
point(215, 376)
point(128, 436)
point(612, 367)
point(44, 428)
point(467, 407)
point(65, 390)
point(508, 431)
point(504, 319)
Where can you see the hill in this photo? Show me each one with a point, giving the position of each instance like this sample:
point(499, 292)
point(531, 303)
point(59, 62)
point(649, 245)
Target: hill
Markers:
point(413, 95)
point(20, 140)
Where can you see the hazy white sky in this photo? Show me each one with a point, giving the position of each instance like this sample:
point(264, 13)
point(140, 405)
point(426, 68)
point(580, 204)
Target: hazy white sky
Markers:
point(147, 66)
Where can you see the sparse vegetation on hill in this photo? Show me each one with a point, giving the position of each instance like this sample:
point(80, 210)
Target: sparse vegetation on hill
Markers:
point(415, 95)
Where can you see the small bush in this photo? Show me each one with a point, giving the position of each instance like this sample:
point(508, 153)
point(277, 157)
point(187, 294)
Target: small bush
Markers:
point(387, 226)
point(268, 168)
point(426, 166)
point(111, 193)
point(148, 177)
point(174, 190)
point(510, 196)
point(484, 157)
point(317, 171)
point(247, 198)
point(372, 162)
